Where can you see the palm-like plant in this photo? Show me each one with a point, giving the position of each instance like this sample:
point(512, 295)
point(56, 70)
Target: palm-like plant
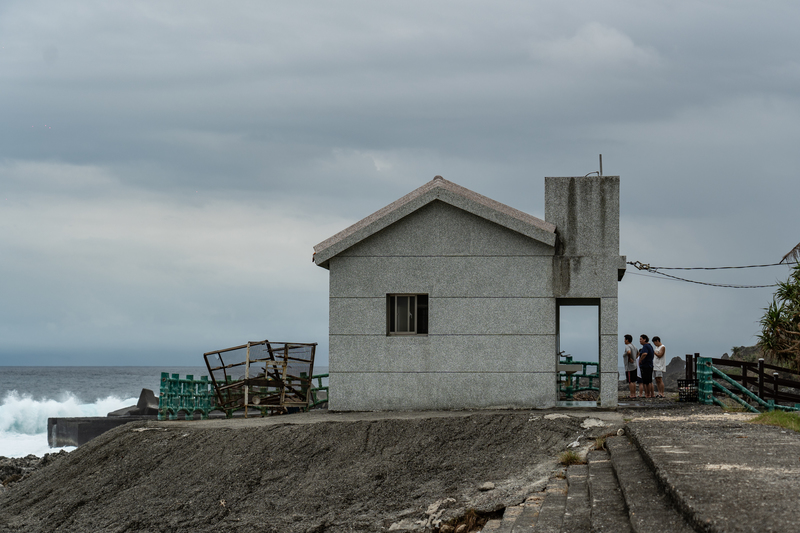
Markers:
point(780, 325)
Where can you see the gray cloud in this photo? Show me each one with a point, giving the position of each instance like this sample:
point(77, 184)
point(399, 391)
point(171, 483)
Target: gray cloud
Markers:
point(140, 142)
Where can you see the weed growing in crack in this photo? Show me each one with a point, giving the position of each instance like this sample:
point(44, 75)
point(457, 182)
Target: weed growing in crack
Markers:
point(570, 458)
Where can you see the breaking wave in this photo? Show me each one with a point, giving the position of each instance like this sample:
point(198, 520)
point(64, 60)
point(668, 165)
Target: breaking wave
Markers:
point(23, 420)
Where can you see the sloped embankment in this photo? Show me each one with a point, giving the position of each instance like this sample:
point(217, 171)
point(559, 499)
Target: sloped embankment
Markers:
point(326, 476)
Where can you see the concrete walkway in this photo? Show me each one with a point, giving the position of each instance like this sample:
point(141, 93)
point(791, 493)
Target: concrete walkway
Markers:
point(723, 473)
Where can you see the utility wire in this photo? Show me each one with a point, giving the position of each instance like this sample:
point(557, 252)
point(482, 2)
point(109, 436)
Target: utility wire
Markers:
point(638, 263)
point(655, 270)
point(630, 273)
point(726, 285)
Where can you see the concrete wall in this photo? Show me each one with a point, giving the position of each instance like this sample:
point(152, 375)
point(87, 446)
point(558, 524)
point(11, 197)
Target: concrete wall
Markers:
point(586, 262)
point(491, 340)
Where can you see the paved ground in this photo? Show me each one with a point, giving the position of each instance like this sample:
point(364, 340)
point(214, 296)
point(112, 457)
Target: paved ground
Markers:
point(724, 473)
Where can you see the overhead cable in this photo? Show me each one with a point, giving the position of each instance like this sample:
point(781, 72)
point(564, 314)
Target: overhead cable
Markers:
point(655, 270)
point(645, 266)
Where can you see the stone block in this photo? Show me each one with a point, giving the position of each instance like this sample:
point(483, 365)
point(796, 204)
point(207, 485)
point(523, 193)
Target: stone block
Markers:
point(586, 212)
point(585, 276)
point(609, 316)
point(609, 385)
point(609, 358)
point(449, 316)
point(442, 353)
point(440, 229)
point(361, 391)
point(524, 276)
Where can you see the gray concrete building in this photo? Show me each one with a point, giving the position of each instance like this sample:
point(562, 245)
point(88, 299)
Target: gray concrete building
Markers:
point(446, 299)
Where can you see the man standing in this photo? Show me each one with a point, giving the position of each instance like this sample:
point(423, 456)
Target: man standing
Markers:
point(646, 356)
point(629, 356)
point(659, 365)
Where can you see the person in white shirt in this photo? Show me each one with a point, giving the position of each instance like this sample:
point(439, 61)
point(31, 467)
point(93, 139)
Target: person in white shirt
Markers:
point(659, 365)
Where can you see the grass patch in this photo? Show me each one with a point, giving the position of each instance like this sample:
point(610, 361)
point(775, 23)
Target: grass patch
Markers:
point(780, 419)
point(570, 458)
point(600, 443)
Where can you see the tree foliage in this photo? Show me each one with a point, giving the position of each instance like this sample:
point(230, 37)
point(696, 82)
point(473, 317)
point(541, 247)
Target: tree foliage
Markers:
point(780, 325)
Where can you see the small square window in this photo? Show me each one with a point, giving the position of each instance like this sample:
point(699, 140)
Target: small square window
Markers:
point(407, 314)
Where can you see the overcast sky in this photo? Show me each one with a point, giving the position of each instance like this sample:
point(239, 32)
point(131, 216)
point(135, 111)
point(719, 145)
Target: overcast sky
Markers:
point(167, 168)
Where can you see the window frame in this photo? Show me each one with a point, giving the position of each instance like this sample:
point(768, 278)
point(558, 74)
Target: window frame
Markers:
point(419, 314)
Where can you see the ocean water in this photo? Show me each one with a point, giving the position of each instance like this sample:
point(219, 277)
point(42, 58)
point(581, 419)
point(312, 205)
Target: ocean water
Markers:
point(29, 395)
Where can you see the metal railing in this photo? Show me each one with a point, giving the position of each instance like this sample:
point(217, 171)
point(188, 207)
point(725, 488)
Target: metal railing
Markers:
point(189, 396)
point(316, 398)
point(569, 383)
point(710, 378)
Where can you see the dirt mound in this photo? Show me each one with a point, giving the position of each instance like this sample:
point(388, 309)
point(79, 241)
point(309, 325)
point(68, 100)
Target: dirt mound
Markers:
point(328, 476)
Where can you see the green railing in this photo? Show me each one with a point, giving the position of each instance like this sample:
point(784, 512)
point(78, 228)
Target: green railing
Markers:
point(569, 384)
point(190, 396)
point(706, 372)
point(315, 396)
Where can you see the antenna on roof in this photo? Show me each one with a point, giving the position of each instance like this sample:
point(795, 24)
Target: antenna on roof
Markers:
point(600, 173)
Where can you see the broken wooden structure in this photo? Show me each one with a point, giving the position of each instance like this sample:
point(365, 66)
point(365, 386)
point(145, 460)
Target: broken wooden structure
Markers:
point(268, 377)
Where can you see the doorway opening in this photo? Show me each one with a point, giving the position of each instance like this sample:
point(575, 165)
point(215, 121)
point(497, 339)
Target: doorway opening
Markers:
point(578, 350)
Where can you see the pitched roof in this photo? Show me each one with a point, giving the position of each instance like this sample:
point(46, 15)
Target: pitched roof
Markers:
point(446, 191)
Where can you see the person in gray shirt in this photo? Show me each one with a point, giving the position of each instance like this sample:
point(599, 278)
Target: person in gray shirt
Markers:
point(629, 355)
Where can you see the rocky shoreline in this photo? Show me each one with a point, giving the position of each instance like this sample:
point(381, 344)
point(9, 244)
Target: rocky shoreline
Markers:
point(16, 469)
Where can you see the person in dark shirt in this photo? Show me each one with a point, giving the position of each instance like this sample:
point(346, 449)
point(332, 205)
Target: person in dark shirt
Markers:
point(646, 355)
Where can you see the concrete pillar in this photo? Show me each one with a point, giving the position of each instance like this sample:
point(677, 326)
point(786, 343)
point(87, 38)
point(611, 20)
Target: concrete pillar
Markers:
point(586, 263)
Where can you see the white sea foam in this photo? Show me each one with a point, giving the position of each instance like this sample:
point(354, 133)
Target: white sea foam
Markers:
point(23, 420)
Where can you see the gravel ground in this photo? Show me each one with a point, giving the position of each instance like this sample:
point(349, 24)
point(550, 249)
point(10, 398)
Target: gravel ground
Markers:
point(332, 476)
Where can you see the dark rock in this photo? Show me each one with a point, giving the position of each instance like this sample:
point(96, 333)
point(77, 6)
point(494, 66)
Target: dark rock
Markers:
point(78, 431)
point(125, 411)
point(676, 369)
point(148, 403)
point(15, 469)
point(676, 365)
